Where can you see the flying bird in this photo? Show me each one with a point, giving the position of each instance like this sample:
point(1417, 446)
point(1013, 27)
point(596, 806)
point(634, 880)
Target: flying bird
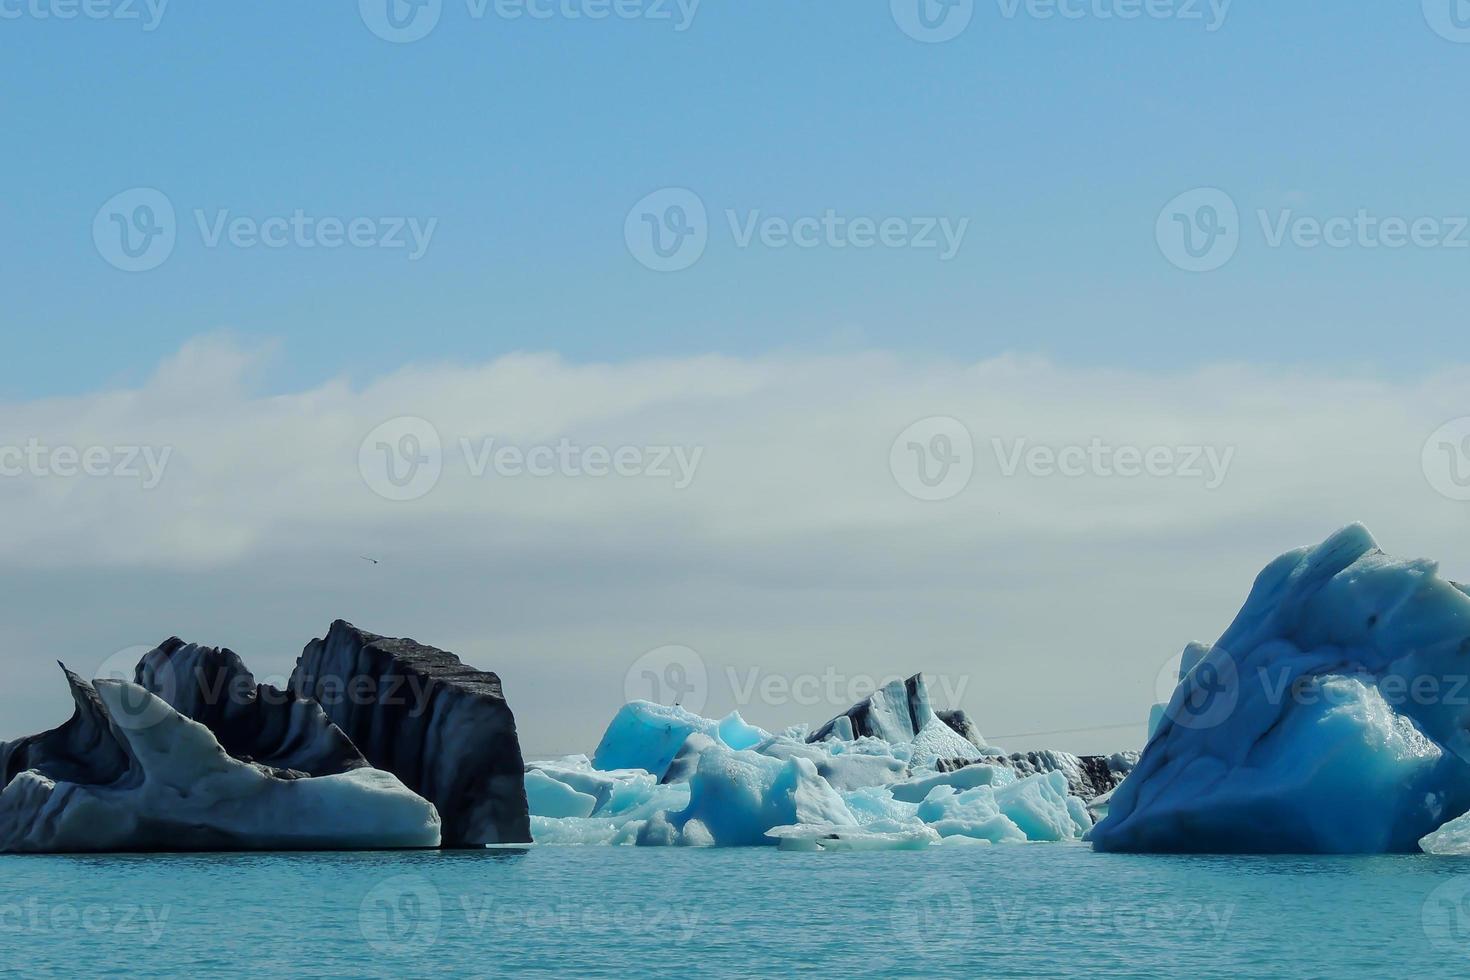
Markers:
point(366, 558)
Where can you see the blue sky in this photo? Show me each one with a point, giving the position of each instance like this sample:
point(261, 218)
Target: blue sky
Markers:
point(1081, 165)
point(1060, 140)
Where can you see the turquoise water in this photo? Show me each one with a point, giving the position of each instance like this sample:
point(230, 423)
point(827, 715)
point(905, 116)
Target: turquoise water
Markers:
point(616, 912)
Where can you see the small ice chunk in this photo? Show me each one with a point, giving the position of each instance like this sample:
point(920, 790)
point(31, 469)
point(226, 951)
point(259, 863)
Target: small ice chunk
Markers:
point(696, 834)
point(1041, 807)
point(641, 799)
point(735, 732)
point(980, 774)
point(573, 830)
point(552, 798)
point(657, 831)
point(1450, 838)
point(577, 772)
point(882, 836)
point(973, 813)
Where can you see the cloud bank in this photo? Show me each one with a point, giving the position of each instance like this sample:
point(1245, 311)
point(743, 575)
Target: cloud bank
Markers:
point(1039, 539)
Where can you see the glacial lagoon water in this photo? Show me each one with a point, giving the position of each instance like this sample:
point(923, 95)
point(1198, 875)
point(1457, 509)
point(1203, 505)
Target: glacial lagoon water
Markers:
point(998, 911)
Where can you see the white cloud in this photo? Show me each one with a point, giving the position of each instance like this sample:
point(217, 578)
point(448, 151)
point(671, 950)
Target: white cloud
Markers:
point(794, 551)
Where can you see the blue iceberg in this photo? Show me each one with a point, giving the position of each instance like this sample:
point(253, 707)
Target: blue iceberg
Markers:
point(889, 774)
point(1331, 717)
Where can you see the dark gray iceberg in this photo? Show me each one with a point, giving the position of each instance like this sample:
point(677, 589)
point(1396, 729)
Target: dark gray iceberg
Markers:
point(441, 727)
point(84, 750)
point(253, 722)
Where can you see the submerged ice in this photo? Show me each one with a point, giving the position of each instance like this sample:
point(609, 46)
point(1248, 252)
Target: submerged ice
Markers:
point(888, 774)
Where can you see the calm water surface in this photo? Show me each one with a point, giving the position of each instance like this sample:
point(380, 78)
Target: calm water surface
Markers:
point(616, 912)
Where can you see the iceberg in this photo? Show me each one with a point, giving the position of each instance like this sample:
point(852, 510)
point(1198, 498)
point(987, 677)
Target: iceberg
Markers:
point(737, 796)
point(129, 773)
point(253, 722)
point(1043, 809)
point(376, 743)
point(901, 713)
point(1330, 717)
point(1037, 808)
point(888, 774)
point(973, 813)
point(443, 728)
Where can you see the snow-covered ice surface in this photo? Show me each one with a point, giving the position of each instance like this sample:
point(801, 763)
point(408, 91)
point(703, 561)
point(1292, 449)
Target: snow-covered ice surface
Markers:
point(887, 775)
point(1330, 717)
